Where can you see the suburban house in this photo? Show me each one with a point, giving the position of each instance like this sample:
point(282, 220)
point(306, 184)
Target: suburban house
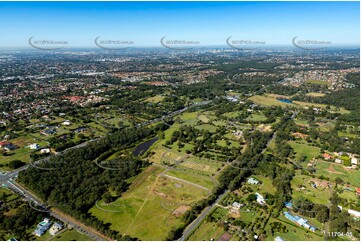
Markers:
point(236, 205)
point(252, 181)
point(42, 227)
point(319, 183)
point(66, 123)
point(354, 161)
point(300, 221)
point(79, 130)
point(354, 213)
point(45, 151)
point(34, 146)
point(232, 98)
point(338, 161)
point(327, 156)
point(47, 132)
point(2, 143)
point(278, 238)
point(55, 228)
point(288, 204)
point(7, 146)
point(260, 199)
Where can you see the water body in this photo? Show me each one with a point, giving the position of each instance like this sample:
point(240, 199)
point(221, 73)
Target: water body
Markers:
point(284, 100)
point(143, 147)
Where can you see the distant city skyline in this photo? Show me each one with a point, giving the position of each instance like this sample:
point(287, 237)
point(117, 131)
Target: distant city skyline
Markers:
point(203, 23)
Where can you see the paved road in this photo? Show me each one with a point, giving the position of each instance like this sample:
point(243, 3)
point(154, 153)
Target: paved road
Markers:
point(191, 227)
point(173, 113)
point(39, 206)
point(7, 178)
point(12, 174)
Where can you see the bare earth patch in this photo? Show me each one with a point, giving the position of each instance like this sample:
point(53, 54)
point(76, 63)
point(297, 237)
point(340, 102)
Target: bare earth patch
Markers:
point(181, 210)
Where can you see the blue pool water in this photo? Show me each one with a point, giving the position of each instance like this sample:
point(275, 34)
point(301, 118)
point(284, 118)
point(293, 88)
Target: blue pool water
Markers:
point(284, 100)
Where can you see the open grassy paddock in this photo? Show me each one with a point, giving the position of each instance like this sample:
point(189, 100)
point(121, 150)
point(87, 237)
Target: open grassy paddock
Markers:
point(206, 232)
point(315, 94)
point(206, 166)
point(333, 170)
point(146, 209)
point(155, 99)
point(302, 149)
point(295, 232)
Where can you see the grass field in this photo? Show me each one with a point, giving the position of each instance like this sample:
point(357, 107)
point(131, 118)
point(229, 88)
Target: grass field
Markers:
point(203, 118)
point(304, 150)
point(71, 235)
point(10, 195)
point(295, 233)
point(232, 143)
point(266, 185)
point(301, 122)
point(194, 178)
point(209, 127)
point(268, 101)
point(23, 152)
point(307, 104)
point(232, 114)
point(145, 210)
point(316, 195)
point(346, 134)
point(256, 117)
point(326, 126)
point(162, 154)
point(155, 99)
point(318, 82)
point(315, 94)
point(207, 232)
point(206, 166)
point(333, 170)
point(188, 115)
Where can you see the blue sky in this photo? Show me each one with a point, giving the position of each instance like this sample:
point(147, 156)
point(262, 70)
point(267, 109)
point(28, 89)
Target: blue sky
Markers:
point(210, 23)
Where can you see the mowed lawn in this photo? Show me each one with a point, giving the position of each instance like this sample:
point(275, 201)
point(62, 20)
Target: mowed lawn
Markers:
point(189, 118)
point(315, 94)
point(195, 178)
point(256, 117)
point(145, 210)
point(295, 232)
point(268, 101)
point(207, 166)
point(271, 100)
point(232, 114)
point(316, 195)
point(71, 235)
point(304, 150)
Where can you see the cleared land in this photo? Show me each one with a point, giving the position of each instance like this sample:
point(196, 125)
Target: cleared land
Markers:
point(304, 150)
point(146, 209)
point(315, 94)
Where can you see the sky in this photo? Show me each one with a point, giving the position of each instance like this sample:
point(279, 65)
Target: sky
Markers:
point(209, 23)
